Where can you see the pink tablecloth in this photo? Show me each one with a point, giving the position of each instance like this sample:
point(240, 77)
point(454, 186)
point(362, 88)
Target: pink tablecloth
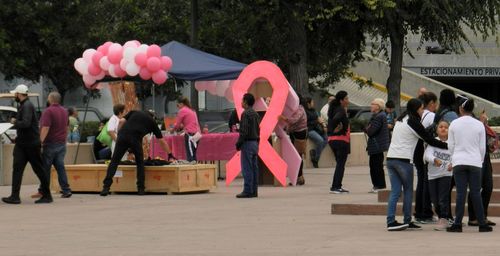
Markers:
point(211, 147)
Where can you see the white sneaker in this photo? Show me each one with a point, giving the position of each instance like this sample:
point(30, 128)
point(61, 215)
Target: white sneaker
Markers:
point(374, 191)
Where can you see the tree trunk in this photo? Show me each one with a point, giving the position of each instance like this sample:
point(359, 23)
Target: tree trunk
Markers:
point(297, 54)
point(394, 81)
point(194, 43)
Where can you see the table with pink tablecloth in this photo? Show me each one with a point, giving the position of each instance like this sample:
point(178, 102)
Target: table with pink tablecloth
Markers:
point(211, 147)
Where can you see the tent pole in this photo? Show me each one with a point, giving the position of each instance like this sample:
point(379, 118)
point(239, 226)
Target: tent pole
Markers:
point(83, 124)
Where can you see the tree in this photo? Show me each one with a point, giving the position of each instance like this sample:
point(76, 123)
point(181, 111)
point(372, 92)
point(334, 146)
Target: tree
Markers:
point(44, 38)
point(305, 38)
point(442, 21)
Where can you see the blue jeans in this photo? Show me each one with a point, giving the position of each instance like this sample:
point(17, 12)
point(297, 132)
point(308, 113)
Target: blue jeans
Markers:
point(250, 167)
point(53, 154)
point(468, 175)
point(320, 141)
point(73, 137)
point(401, 176)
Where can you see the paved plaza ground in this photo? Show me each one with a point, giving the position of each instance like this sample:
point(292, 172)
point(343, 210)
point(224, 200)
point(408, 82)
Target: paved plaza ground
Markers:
point(282, 221)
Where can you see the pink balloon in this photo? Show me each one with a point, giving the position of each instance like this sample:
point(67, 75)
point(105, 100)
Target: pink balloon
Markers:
point(200, 85)
point(159, 77)
point(141, 59)
point(100, 75)
point(166, 63)
point(96, 58)
point(115, 53)
point(88, 80)
point(153, 64)
point(211, 87)
point(154, 51)
point(145, 74)
point(119, 71)
point(94, 70)
point(104, 48)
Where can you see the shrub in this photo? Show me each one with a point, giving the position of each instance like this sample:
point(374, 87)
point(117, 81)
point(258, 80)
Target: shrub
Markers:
point(90, 128)
point(358, 125)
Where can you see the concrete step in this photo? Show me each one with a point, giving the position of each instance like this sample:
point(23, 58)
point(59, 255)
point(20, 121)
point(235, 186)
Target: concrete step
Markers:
point(495, 163)
point(383, 196)
point(381, 209)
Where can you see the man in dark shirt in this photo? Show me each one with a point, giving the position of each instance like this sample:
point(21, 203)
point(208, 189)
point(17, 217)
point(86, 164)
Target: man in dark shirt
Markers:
point(137, 125)
point(27, 148)
point(248, 143)
point(53, 134)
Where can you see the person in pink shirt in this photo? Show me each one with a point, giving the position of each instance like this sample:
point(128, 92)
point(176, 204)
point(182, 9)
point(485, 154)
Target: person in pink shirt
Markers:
point(188, 121)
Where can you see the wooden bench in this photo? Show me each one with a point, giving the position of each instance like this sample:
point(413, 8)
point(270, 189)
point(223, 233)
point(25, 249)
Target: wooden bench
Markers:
point(168, 178)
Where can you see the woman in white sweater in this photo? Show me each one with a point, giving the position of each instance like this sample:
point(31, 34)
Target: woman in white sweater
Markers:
point(405, 135)
point(467, 144)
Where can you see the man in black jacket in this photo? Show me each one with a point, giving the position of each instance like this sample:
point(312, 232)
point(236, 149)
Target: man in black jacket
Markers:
point(137, 125)
point(27, 148)
point(248, 143)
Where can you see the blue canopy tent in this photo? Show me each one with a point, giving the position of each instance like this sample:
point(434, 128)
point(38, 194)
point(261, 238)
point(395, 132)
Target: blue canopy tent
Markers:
point(194, 65)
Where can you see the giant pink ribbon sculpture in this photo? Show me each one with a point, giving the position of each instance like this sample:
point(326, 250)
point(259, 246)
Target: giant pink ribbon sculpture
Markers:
point(284, 101)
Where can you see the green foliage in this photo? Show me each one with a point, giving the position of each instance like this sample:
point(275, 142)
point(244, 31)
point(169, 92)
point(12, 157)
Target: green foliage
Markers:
point(90, 128)
point(358, 125)
point(494, 121)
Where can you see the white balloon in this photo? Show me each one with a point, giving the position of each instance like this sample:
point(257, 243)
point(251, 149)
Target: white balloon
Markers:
point(81, 66)
point(221, 87)
point(129, 53)
point(111, 71)
point(87, 55)
point(132, 69)
point(104, 63)
point(123, 64)
point(143, 48)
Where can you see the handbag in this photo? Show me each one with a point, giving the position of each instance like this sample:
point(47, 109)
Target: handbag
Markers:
point(104, 137)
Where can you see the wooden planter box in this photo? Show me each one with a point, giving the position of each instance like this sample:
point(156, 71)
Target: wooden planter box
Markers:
point(169, 178)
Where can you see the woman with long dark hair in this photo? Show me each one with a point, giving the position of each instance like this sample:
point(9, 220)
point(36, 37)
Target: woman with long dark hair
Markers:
point(339, 138)
point(467, 142)
point(315, 131)
point(407, 131)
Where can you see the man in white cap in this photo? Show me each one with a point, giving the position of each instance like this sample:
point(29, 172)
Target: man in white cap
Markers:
point(27, 148)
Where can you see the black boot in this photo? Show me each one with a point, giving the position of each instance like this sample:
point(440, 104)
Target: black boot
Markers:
point(11, 200)
point(44, 200)
point(105, 191)
point(141, 191)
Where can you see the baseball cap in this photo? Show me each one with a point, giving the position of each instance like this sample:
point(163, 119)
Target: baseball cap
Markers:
point(22, 89)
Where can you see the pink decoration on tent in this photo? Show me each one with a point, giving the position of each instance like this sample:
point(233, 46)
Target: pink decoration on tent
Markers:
point(268, 70)
point(211, 87)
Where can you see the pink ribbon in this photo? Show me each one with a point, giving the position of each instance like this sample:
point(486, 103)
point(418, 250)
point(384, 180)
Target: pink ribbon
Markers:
point(273, 74)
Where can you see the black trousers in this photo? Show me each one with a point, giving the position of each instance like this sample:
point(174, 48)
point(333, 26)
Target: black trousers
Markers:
point(190, 147)
point(439, 190)
point(22, 155)
point(124, 142)
point(486, 188)
point(377, 170)
point(423, 206)
point(340, 150)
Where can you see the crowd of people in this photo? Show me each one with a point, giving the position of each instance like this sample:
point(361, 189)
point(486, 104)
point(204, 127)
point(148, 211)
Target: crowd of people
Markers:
point(442, 139)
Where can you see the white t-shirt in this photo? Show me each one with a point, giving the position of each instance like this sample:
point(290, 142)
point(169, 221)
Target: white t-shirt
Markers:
point(427, 118)
point(113, 123)
point(444, 155)
point(324, 112)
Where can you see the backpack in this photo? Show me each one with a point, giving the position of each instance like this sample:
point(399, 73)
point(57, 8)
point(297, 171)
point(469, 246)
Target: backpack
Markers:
point(432, 129)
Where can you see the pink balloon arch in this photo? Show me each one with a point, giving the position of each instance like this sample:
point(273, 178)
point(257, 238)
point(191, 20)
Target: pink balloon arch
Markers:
point(118, 61)
point(221, 88)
